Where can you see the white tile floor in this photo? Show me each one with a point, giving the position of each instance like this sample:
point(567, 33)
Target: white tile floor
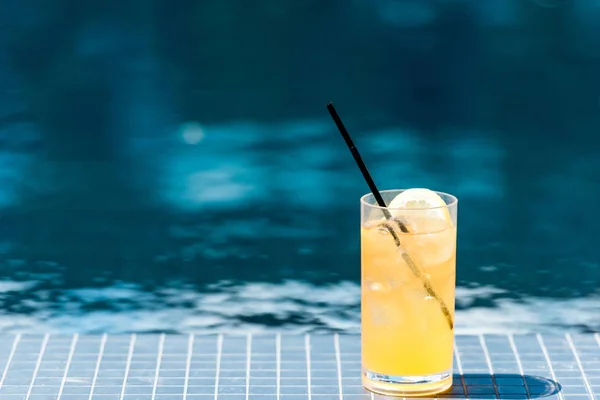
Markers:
point(279, 367)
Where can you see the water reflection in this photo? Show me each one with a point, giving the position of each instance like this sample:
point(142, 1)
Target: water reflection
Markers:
point(272, 202)
point(291, 306)
point(179, 145)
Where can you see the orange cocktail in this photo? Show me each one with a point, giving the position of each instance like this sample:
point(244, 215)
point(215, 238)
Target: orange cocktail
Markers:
point(408, 253)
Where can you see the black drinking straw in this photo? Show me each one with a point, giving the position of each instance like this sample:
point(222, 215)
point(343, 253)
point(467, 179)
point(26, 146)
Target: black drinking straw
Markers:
point(377, 195)
point(358, 159)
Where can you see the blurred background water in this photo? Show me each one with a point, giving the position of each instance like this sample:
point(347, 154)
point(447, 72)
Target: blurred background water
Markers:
point(170, 166)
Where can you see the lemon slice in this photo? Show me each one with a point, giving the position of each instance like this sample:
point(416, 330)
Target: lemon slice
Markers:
point(422, 210)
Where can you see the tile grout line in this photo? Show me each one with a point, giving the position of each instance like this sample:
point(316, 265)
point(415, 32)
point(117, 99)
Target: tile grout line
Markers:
point(182, 370)
point(97, 368)
point(205, 386)
point(513, 346)
point(338, 360)
point(204, 396)
point(308, 372)
point(579, 365)
point(10, 357)
point(128, 365)
point(278, 364)
point(69, 358)
point(597, 337)
point(460, 368)
point(218, 367)
point(549, 362)
point(188, 363)
point(488, 360)
point(37, 364)
point(248, 361)
point(161, 346)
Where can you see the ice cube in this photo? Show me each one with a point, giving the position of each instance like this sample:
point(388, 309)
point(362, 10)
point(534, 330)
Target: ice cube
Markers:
point(430, 248)
point(378, 286)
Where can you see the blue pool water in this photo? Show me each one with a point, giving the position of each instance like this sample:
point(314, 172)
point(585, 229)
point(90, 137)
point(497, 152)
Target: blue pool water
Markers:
point(174, 169)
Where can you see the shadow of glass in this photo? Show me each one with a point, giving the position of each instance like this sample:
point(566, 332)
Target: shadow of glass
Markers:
point(498, 386)
point(514, 386)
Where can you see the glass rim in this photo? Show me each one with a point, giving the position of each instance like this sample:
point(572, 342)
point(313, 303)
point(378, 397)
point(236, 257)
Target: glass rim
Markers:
point(363, 200)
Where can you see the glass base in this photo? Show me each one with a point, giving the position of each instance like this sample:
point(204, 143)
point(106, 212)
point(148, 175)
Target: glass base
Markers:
point(405, 386)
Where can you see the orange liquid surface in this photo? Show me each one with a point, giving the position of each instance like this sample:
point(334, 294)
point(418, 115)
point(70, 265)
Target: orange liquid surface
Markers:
point(404, 331)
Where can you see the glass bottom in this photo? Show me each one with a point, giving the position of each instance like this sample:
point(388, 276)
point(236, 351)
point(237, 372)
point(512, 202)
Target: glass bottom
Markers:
point(404, 386)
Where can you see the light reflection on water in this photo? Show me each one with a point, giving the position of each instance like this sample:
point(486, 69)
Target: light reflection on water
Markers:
point(275, 206)
point(273, 203)
point(290, 306)
point(304, 163)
